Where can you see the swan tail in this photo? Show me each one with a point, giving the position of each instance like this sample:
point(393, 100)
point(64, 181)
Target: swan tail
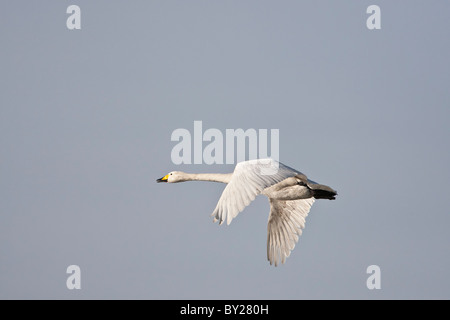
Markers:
point(320, 191)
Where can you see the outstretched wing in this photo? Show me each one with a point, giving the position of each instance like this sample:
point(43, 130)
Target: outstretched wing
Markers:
point(248, 180)
point(286, 221)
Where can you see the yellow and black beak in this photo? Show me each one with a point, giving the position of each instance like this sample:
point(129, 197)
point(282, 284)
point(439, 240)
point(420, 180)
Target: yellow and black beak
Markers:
point(163, 179)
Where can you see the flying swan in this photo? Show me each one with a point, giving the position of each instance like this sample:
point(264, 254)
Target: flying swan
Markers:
point(291, 195)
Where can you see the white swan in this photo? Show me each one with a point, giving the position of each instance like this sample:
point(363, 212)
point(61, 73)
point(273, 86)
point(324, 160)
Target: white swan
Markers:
point(291, 195)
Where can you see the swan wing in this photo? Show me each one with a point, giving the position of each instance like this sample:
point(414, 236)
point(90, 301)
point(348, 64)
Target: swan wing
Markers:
point(249, 179)
point(286, 221)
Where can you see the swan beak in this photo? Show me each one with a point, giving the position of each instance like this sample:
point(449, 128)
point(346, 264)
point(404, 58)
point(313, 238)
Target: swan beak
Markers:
point(163, 179)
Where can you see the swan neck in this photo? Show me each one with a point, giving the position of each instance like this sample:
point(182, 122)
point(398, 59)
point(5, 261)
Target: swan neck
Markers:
point(215, 177)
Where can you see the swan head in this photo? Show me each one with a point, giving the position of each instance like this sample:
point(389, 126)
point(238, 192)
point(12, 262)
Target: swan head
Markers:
point(173, 177)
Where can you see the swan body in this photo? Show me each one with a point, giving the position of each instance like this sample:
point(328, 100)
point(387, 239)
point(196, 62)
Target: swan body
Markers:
point(291, 195)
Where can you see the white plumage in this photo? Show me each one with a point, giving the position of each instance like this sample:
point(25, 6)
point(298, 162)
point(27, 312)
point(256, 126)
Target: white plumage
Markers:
point(291, 195)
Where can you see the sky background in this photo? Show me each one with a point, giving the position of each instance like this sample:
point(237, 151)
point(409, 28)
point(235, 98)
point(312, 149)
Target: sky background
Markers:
point(86, 118)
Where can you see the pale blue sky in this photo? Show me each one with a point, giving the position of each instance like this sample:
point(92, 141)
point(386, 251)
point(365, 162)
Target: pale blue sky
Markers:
point(86, 118)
